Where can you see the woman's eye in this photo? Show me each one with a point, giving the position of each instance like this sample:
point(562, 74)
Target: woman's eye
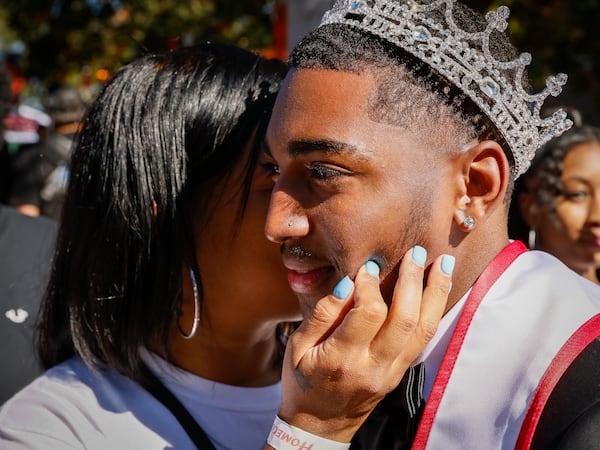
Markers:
point(576, 196)
point(271, 168)
point(321, 172)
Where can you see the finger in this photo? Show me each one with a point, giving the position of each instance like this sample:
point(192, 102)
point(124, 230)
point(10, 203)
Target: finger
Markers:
point(435, 297)
point(368, 313)
point(326, 315)
point(404, 314)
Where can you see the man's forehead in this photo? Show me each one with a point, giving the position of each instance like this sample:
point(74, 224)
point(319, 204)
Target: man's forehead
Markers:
point(321, 104)
point(332, 107)
point(330, 86)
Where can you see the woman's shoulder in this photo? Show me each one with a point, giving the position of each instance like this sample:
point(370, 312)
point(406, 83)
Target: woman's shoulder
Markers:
point(72, 381)
point(74, 405)
point(45, 411)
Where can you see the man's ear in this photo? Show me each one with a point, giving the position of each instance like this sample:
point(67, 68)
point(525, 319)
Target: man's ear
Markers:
point(486, 174)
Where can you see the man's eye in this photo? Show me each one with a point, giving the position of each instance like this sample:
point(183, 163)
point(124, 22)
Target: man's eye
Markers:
point(321, 172)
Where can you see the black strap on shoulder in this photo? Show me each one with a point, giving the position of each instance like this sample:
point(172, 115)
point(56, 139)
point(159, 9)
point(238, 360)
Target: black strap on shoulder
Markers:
point(198, 436)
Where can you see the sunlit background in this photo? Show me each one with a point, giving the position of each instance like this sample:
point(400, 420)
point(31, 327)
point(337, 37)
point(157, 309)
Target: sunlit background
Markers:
point(82, 42)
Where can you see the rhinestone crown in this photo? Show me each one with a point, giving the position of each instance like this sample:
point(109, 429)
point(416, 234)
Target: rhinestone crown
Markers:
point(465, 59)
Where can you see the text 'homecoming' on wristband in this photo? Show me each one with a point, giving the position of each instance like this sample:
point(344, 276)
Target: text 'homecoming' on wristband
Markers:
point(284, 436)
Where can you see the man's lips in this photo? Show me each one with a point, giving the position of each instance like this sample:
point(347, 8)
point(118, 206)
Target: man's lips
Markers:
point(304, 280)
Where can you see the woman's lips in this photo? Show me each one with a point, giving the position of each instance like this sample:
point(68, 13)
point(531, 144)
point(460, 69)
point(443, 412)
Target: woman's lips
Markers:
point(591, 240)
point(307, 281)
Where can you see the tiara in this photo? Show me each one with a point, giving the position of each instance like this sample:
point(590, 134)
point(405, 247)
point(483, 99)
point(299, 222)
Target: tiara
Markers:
point(465, 59)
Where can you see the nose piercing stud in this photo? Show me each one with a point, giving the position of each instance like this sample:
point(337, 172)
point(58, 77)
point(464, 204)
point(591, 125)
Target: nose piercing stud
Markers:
point(289, 224)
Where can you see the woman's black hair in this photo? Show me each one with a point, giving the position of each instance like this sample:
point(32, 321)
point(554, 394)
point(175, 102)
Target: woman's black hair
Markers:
point(162, 126)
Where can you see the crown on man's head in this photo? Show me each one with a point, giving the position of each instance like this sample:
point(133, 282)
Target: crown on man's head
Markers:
point(465, 59)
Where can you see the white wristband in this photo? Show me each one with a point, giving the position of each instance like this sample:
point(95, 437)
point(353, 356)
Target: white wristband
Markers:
point(284, 436)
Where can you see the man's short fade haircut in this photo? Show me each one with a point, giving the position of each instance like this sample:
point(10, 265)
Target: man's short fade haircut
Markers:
point(410, 93)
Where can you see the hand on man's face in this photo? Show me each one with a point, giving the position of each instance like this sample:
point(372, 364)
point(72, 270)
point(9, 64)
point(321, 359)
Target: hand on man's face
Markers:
point(349, 353)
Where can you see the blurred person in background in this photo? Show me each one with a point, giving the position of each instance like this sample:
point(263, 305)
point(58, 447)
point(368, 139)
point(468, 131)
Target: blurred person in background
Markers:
point(6, 99)
point(26, 247)
point(23, 126)
point(557, 206)
point(39, 172)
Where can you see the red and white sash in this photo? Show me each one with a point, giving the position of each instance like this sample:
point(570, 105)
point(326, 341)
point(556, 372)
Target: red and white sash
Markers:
point(521, 311)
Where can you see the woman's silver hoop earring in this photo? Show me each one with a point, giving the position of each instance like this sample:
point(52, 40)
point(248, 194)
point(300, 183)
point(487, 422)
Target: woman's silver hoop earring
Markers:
point(469, 222)
point(196, 308)
point(531, 239)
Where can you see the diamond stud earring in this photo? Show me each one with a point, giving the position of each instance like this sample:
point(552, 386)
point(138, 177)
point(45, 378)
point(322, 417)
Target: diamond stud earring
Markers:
point(469, 222)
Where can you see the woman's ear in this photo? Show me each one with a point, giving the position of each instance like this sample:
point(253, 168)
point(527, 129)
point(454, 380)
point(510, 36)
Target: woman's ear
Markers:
point(486, 175)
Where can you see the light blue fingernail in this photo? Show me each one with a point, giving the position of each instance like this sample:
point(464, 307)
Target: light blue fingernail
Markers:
point(343, 288)
point(448, 264)
point(419, 255)
point(372, 268)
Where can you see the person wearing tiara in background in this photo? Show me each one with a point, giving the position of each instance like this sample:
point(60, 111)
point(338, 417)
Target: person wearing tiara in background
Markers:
point(404, 123)
point(556, 204)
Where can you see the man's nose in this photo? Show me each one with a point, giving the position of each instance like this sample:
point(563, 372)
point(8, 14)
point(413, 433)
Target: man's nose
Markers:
point(286, 219)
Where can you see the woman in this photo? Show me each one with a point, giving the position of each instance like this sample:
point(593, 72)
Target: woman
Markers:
point(162, 277)
point(559, 200)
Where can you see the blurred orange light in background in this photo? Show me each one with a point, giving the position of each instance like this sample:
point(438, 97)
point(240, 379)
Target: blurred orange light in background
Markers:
point(102, 74)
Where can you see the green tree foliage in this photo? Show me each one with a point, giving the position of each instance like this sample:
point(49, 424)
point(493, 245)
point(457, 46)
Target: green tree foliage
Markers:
point(562, 36)
point(63, 36)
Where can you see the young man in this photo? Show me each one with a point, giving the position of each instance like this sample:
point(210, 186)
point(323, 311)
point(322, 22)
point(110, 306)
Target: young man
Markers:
point(403, 123)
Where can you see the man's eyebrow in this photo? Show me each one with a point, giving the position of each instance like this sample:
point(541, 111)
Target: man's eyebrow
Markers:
point(303, 147)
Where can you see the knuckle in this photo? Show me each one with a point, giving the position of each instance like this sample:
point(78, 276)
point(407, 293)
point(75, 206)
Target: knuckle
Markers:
point(407, 324)
point(373, 312)
point(321, 312)
point(442, 289)
point(428, 330)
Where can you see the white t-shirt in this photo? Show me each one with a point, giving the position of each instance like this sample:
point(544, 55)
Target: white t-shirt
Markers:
point(73, 407)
